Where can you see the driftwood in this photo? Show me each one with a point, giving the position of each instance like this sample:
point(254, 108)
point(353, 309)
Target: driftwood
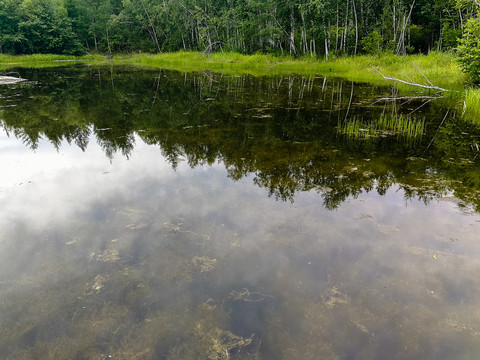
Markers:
point(7, 80)
point(412, 83)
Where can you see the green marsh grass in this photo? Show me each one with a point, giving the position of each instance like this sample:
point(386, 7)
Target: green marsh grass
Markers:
point(403, 126)
point(440, 68)
point(472, 105)
point(44, 60)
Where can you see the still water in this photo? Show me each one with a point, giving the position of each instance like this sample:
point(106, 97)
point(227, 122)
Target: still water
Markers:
point(149, 214)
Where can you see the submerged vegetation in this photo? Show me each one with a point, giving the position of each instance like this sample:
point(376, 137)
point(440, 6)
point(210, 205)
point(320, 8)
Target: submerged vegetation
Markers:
point(143, 274)
point(152, 302)
point(404, 126)
point(163, 265)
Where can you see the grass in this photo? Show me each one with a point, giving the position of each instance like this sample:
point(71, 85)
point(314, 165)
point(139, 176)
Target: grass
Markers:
point(222, 62)
point(401, 125)
point(472, 105)
point(43, 60)
point(440, 68)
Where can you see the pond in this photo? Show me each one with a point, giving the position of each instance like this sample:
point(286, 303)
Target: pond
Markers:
point(151, 214)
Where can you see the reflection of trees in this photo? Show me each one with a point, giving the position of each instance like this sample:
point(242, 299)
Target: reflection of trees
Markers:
point(280, 129)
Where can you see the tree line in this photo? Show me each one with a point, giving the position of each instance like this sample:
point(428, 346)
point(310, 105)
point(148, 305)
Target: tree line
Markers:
point(294, 27)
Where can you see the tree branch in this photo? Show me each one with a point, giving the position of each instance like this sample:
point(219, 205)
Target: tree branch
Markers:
point(412, 83)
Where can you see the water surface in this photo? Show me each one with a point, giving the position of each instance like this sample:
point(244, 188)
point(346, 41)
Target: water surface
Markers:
point(157, 215)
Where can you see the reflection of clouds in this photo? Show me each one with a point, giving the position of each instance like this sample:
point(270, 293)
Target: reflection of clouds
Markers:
point(376, 264)
point(45, 185)
point(68, 184)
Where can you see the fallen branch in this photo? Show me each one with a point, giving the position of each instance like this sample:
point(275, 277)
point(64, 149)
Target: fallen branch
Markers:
point(412, 83)
point(407, 98)
point(8, 80)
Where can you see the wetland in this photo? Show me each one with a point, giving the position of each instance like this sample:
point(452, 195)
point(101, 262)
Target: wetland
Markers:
point(155, 214)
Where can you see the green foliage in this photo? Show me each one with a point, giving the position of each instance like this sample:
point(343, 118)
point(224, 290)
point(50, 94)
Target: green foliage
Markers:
point(44, 27)
point(450, 36)
point(9, 34)
point(469, 49)
point(323, 28)
point(372, 43)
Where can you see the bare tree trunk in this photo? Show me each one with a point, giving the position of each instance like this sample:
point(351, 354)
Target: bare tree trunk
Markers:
point(152, 27)
point(193, 35)
point(238, 39)
point(198, 32)
point(336, 34)
point(440, 39)
point(292, 33)
point(305, 41)
point(394, 23)
point(304, 35)
point(326, 49)
point(209, 49)
point(95, 42)
point(401, 41)
point(346, 28)
point(356, 26)
point(108, 39)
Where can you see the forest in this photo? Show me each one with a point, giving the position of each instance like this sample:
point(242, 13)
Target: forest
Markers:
point(322, 28)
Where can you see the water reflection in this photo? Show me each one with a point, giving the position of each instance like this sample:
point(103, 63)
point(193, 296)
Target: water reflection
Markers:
point(131, 257)
point(282, 129)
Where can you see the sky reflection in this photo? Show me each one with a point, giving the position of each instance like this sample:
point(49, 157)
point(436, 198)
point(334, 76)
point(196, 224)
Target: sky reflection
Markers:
point(104, 246)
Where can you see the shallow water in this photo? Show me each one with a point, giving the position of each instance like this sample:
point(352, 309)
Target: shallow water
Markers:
point(158, 215)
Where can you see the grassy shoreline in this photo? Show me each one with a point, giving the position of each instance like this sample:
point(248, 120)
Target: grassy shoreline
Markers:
point(42, 60)
point(440, 68)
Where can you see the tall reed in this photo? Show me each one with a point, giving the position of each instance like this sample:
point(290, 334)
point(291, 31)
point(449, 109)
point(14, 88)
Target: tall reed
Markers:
point(400, 125)
point(472, 105)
